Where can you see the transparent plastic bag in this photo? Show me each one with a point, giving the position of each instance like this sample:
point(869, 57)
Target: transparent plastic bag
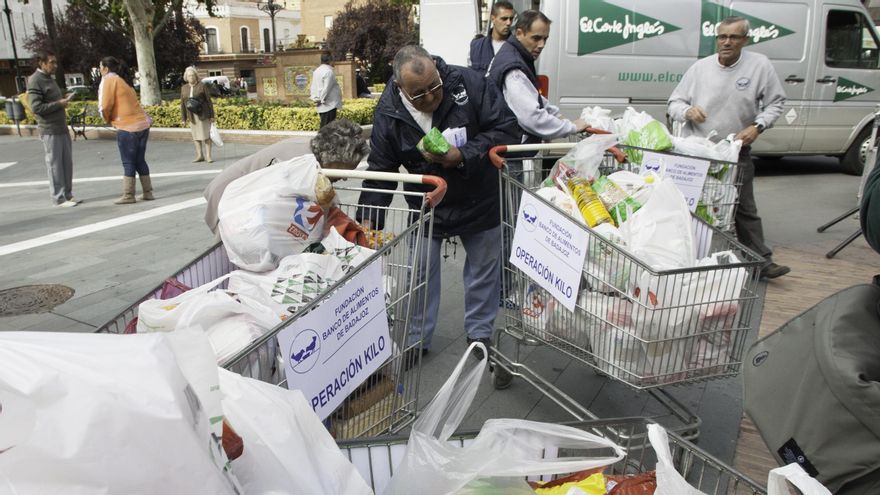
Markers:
point(510, 448)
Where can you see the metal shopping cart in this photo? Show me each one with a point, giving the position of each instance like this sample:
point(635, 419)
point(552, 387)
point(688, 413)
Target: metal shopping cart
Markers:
point(644, 327)
point(377, 458)
point(388, 400)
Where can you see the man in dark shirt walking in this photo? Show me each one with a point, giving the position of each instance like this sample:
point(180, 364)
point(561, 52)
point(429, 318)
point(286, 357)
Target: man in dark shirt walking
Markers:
point(49, 106)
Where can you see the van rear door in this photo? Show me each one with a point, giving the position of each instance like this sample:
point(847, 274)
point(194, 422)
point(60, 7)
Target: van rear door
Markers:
point(846, 83)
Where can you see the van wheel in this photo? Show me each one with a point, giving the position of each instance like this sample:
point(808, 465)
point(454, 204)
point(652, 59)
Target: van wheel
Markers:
point(853, 162)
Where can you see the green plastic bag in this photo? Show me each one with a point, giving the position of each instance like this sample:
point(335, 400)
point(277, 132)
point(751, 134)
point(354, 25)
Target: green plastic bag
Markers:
point(652, 136)
point(434, 143)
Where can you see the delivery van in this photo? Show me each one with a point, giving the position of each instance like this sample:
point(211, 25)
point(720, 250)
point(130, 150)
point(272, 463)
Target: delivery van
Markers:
point(619, 53)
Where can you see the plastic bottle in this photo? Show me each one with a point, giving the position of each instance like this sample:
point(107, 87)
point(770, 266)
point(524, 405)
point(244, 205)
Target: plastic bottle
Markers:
point(588, 202)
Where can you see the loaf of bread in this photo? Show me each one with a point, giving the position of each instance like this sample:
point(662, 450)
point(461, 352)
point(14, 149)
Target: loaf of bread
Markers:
point(324, 192)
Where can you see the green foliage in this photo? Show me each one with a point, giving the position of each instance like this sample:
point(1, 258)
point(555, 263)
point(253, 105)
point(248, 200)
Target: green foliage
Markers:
point(229, 115)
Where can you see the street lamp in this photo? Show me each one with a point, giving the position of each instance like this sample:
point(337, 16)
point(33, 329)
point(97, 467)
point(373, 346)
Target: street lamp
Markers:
point(271, 8)
point(8, 12)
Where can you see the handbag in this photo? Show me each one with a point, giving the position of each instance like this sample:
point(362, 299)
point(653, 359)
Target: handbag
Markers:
point(194, 105)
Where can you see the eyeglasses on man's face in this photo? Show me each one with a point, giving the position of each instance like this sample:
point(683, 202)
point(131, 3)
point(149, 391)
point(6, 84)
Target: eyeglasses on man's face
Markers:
point(431, 91)
point(731, 37)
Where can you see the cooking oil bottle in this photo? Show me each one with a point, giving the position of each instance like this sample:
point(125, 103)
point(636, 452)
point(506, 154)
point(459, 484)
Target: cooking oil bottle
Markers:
point(588, 202)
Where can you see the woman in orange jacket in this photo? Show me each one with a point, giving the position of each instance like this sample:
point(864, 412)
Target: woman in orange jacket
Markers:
point(118, 104)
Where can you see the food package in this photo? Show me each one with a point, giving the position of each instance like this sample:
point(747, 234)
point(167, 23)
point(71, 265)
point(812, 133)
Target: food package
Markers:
point(271, 213)
point(606, 264)
point(619, 204)
point(433, 142)
point(324, 192)
point(559, 175)
point(591, 485)
point(631, 484)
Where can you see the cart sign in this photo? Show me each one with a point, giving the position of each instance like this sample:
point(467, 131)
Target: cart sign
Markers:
point(689, 174)
point(550, 248)
point(335, 347)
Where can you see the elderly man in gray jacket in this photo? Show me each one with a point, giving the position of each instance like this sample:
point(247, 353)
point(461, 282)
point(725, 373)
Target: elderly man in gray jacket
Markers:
point(47, 103)
point(734, 92)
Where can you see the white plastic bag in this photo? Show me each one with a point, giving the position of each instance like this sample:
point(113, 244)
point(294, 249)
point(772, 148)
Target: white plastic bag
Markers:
point(598, 118)
point(669, 481)
point(215, 135)
point(503, 448)
point(660, 233)
point(726, 150)
point(298, 280)
point(100, 413)
point(271, 213)
point(286, 448)
point(586, 156)
point(798, 477)
point(348, 253)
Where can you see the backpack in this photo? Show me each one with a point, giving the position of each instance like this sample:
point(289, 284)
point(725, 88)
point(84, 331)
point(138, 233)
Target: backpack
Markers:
point(812, 388)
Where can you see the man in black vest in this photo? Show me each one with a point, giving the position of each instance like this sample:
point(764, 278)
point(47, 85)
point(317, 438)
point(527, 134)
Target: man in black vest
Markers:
point(513, 72)
point(485, 47)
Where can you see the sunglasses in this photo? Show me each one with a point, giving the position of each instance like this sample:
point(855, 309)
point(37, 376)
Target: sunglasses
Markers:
point(731, 37)
point(415, 98)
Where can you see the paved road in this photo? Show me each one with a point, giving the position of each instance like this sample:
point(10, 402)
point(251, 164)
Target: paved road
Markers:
point(109, 267)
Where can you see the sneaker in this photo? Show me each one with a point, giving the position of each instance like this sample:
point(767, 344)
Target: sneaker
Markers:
point(772, 270)
point(67, 204)
point(478, 353)
point(77, 201)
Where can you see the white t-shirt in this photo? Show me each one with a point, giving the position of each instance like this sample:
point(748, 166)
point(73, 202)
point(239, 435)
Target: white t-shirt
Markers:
point(423, 119)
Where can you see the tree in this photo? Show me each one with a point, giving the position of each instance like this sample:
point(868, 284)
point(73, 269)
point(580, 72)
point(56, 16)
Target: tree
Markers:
point(372, 32)
point(88, 31)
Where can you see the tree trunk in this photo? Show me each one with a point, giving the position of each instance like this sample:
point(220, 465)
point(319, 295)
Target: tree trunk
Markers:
point(141, 14)
point(49, 16)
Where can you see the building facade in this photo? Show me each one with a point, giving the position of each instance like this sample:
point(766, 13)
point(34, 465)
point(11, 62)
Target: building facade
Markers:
point(239, 35)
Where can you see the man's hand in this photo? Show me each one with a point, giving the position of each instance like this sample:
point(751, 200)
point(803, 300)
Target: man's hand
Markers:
point(451, 159)
point(580, 125)
point(748, 135)
point(695, 114)
point(66, 100)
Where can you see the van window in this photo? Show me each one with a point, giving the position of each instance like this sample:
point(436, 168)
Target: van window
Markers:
point(849, 42)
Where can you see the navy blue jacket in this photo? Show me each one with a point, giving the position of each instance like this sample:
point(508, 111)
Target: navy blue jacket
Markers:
point(481, 53)
point(472, 197)
point(513, 55)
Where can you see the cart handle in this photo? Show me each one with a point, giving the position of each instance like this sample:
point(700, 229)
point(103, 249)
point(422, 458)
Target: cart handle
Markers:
point(433, 198)
point(498, 161)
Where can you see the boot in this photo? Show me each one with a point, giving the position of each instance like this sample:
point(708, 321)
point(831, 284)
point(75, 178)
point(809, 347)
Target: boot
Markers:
point(127, 191)
point(199, 157)
point(208, 152)
point(147, 187)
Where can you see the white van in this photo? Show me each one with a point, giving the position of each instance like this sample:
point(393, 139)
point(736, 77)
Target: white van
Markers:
point(619, 53)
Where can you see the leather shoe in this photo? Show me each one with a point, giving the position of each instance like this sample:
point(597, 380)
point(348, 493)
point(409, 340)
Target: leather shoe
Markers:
point(772, 270)
point(412, 356)
point(478, 353)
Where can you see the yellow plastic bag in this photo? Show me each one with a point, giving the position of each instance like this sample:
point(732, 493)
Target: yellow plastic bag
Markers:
point(592, 485)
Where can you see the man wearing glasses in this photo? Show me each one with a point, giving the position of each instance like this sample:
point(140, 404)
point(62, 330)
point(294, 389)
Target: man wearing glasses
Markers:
point(425, 93)
point(734, 92)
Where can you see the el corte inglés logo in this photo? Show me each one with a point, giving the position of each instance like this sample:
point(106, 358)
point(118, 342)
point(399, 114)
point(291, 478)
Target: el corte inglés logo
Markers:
point(847, 89)
point(603, 25)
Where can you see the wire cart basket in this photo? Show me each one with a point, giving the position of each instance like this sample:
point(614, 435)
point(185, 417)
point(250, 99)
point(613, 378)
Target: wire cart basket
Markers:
point(647, 328)
point(377, 458)
point(388, 400)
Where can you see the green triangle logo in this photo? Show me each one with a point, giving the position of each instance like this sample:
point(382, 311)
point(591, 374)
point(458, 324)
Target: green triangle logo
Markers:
point(847, 89)
point(603, 25)
point(712, 14)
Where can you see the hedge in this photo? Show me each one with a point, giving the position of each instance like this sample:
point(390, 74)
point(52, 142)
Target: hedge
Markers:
point(235, 113)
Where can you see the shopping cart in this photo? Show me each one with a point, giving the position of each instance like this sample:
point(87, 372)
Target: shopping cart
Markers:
point(376, 459)
point(644, 327)
point(388, 400)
